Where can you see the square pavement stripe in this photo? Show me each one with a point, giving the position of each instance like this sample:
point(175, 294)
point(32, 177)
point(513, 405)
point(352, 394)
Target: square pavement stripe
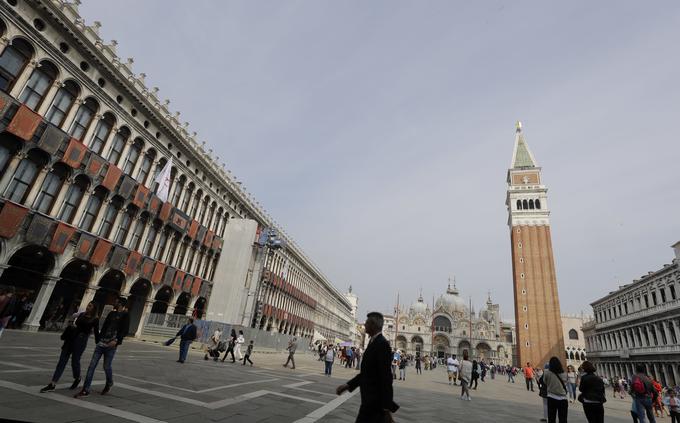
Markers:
point(80, 403)
point(327, 408)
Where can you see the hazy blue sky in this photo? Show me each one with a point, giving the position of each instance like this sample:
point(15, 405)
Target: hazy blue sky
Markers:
point(379, 133)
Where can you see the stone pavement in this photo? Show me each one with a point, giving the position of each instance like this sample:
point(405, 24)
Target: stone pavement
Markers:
point(151, 387)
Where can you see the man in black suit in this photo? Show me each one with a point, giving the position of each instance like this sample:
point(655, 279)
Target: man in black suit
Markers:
point(375, 378)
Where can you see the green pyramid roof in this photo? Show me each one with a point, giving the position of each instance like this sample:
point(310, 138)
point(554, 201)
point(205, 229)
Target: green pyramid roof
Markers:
point(523, 157)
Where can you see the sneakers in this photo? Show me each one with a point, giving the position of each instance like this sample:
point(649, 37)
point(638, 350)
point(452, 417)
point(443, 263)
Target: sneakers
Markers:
point(107, 388)
point(82, 393)
point(75, 384)
point(49, 388)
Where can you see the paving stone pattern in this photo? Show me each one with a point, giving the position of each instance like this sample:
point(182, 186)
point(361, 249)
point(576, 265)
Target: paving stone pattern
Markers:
point(149, 386)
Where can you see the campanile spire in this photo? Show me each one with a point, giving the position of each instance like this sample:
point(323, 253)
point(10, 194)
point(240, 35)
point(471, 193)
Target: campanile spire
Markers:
point(537, 307)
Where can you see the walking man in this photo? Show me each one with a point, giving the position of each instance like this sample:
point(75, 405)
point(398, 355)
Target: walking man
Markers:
point(328, 360)
point(292, 346)
point(239, 340)
point(375, 378)
point(511, 375)
point(113, 331)
point(249, 351)
point(187, 335)
point(529, 377)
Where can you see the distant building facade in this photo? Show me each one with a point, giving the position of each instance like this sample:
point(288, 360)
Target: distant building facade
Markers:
point(450, 328)
point(639, 323)
point(574, 341)
point(537, 306)
point(105, 192)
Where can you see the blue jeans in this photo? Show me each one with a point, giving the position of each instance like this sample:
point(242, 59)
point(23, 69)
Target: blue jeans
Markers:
point(99, 351)
point(643, 408)
point(183, 350)
point(571, 389)
point(74, 352)
point(329, 367)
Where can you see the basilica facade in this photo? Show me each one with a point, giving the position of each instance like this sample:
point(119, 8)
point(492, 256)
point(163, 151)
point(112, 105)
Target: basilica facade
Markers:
point(450, 327)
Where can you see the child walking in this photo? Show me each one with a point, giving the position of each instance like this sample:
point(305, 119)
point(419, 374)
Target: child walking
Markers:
point(249, 350)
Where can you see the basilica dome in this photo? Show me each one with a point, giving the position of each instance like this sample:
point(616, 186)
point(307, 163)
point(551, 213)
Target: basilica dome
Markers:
point(451, 302)
point(419, 307)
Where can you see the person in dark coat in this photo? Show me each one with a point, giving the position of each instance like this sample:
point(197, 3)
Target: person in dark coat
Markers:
point(592, 394)
point(75, 338)
point(375, 378)
point(187, 335)
point(115, 328)
point(230, 347)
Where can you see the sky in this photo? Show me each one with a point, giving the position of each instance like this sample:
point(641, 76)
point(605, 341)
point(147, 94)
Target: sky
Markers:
point(379, 134)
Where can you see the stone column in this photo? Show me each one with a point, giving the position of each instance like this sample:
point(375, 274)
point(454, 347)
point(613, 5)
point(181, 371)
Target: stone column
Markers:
point(124, 153)
point(81, 207)
point(37, 184)
point(70, 116)
point(674, 328)
point(131, 230)
point(11, 169)
point(142, 319)
point(676, 380)
point(88, 296)
point(87, 136)
point(100, 216)
point(108, 142)
point(49, 97)
point(59, 200)
point(32, 323)
point(23, 78)
point(116, 223)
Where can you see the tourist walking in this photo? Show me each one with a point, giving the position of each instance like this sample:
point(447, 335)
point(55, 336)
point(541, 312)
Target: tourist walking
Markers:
point(571, 382)
point(396, 358)
point(402, 368)
point(419, 363)
point(658, 405)
point(374, 380)
point(555, 380)
point(452, 364)
point(643, 392)
point(475, 374)
point(349, 357)
point(249, 352)
point(492, 370)
point(511, 376)
point(292, 346)
point(465, 375)
point(543, 391)
point(115, 328)
point(529, 376)
point(75, 338)
point(673, 406)
point(7, 301)
point(484, 370)
point(231, 343)
point(592, 396)
point(239, 341)
point(329, 358)
point(187, 335)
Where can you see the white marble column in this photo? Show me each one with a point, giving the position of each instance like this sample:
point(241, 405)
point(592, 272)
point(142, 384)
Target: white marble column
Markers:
point(11, 169)
point(32, 323)
point(37, 184)
point(23, 78)
point(49, 97)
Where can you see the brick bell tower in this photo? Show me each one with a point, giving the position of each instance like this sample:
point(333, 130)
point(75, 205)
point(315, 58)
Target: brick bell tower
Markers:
point(537, 305)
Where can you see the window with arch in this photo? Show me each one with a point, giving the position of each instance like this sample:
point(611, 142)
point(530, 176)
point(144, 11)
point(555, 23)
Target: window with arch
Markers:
point(537, 203)
point(150, 239)
point(83, 118)
point(124, 224)
point(525, 204)
point(62, 103)
point(118, 144)
point(172, 248)
point(178, 190)
point(196, 203)
point(25, 175)
point(519, 204)
point(50, 188)
point(204, 209)
point(211, 216)
point(94, 203)
point(132, 156)
point(13, 60)
point(38, 83)
point(224, 224)
point(573, 334)
point(73, 197)
point(187, 197)
point(531, 204)
point(109, 217)
point(161, 243)
point(145, 167)
point(8, 148)
point(101, 133)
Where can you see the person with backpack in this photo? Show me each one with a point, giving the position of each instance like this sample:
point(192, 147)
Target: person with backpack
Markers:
point(555, 380)
point(592, 394)
point(75, 338)
point(543, 391)
point(329, 358)
point(643, 393)
point(402, 367)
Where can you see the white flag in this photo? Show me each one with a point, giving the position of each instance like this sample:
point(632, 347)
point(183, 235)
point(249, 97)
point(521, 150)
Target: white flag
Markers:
point(163, 181)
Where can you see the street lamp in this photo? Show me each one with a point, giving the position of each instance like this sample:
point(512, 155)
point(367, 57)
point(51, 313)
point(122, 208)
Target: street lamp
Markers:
point(267, 243)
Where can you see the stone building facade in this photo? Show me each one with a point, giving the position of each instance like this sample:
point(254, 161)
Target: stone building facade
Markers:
point(537, 306)
point(85, 216)
point(639, 323)
point(574, 341)
point(451, 327)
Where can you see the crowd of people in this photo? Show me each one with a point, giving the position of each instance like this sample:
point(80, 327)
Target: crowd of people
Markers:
point(15, 307)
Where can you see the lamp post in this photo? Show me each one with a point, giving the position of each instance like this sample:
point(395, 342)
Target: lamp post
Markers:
point(266, 244)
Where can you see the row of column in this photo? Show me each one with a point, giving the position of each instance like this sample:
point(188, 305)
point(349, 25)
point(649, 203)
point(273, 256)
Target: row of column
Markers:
point(637, 304)
point(657, 370)
point(665, 332)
